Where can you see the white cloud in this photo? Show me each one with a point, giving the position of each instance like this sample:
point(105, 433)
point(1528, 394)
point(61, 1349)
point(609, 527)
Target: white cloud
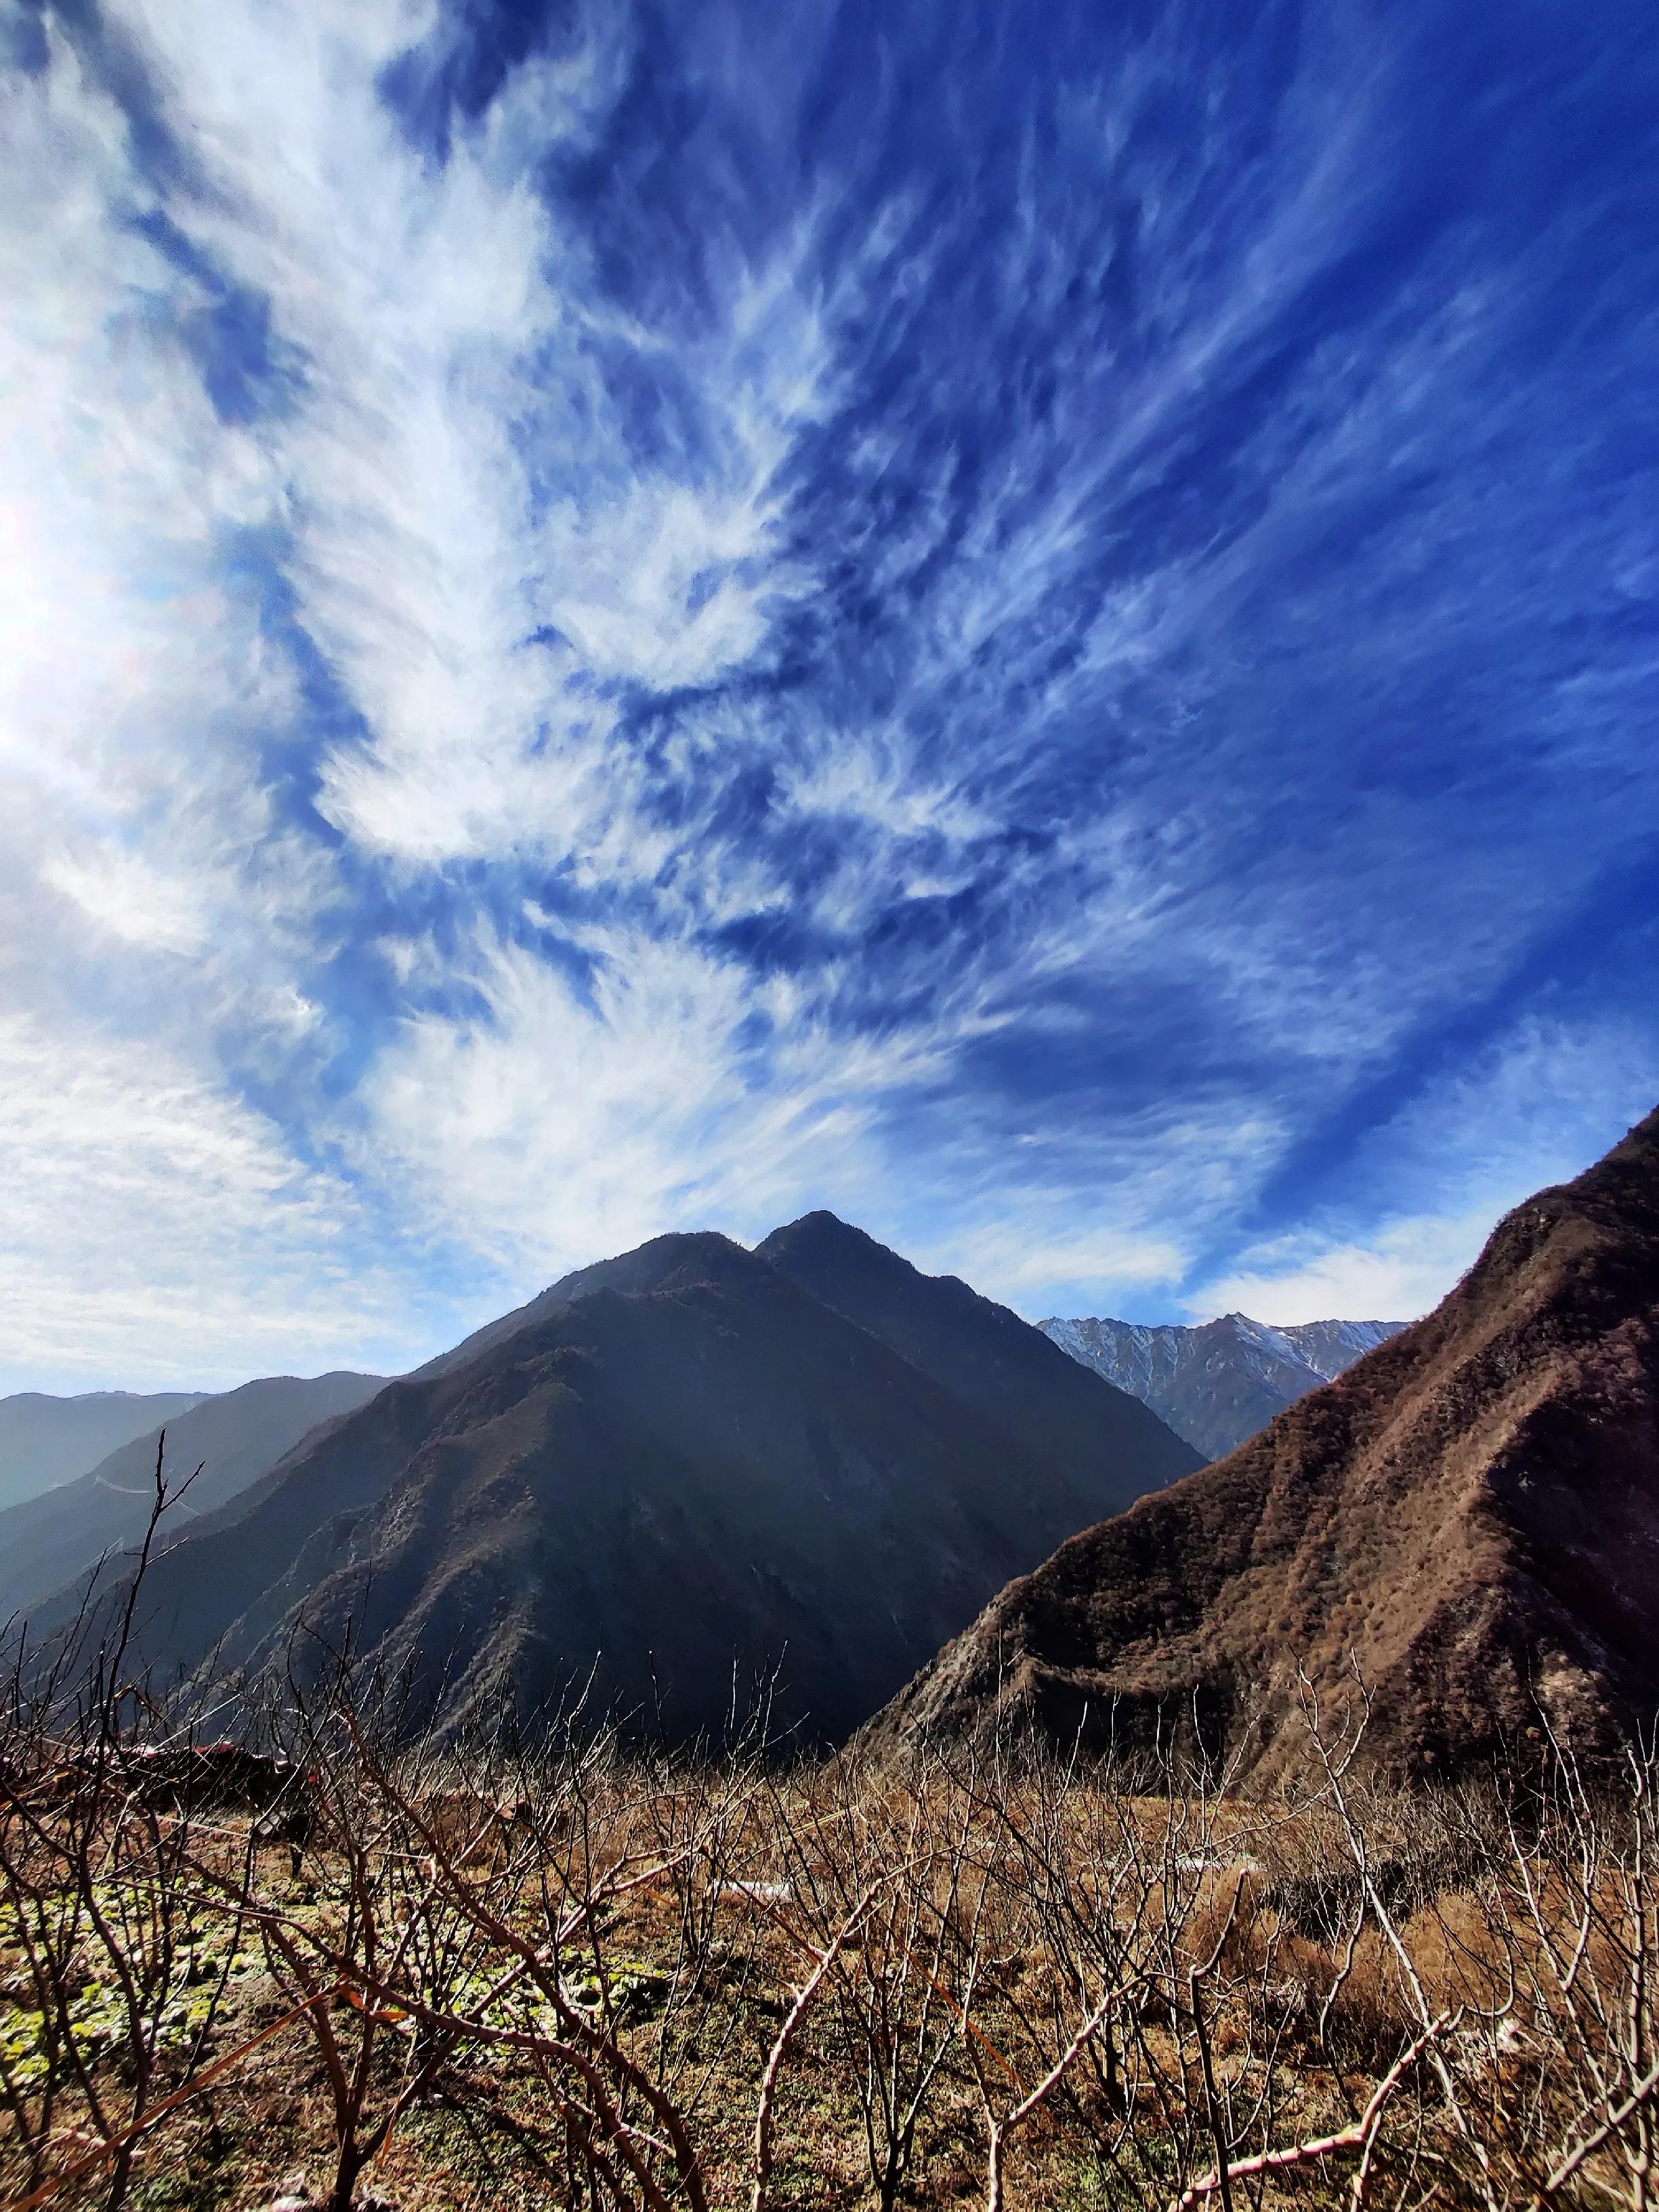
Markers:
point(1394, 1275)
point(1062, 1222)
point(158, 1230)
point(116, 480)
point(559, 1123)
point(441, 320)
point(1535, 1111)
point(1036, 1260)
point(452, 474)
point(135, 687)
point(410, 290)
point(162, 1222)
point(145, 869)
point(121, 892)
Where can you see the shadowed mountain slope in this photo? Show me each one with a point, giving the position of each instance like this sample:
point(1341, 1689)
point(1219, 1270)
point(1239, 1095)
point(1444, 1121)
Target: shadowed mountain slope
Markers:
point(1472, 1512)
point(46, 1440)
point(644, 1268)
point(681, 1466)
point(1001, 1368)
point(234, 1437)
point(1218, 1383)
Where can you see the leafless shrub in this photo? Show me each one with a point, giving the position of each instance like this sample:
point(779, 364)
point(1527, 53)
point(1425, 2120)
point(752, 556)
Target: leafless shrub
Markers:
point(112, 1987)
point(644, 1981)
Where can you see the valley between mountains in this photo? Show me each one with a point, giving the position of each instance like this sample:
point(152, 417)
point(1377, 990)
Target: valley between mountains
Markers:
point(695, 1479)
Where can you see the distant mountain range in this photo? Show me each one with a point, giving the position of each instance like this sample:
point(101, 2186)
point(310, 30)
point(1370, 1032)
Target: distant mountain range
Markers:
point(46, 1441)
point(1468, 1517)
point(673, 1477)
point(1218, 1383)
point(693, 1471)
point(235, 1437)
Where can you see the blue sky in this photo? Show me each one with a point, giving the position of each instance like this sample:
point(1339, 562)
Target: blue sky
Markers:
point(1036, 625)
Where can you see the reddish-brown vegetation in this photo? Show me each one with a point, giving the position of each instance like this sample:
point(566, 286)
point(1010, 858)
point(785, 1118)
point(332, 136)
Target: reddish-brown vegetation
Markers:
point(590, 1978)
point(1471, 1513)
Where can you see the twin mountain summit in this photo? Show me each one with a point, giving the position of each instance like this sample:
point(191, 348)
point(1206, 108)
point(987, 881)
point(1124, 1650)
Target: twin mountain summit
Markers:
point(697, 1475)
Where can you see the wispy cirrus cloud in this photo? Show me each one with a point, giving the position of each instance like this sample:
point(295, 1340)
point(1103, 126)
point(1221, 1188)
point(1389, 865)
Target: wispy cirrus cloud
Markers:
point(614, 620)
point(1440, 1174)
point(158, 1227)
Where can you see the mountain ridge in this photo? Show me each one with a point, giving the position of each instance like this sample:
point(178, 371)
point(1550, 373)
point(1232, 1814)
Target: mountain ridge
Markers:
point(46, 1441)
point(1217, 1382)
point(235, 1435)
point(1466, 1515)
point(681, 1464)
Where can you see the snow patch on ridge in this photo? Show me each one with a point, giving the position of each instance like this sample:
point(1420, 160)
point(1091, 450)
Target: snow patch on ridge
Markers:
point(1218, 1382)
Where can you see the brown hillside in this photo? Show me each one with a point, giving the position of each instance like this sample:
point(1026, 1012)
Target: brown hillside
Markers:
point(1471, 1513)
point(674, 1476)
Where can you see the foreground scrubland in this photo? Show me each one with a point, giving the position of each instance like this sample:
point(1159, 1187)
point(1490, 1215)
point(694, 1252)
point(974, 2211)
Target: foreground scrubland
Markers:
point(368, 1971)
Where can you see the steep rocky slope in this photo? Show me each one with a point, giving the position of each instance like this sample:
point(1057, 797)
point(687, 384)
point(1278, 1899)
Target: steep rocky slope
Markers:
point(1218, 1383)
point(998, 1367)
point(684, 1469)
point(1469, 1516)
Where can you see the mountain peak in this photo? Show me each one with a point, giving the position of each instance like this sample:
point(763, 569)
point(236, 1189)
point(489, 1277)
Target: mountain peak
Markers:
point(1220, 1380)
point(685, 1255)
point(812, 1461)
point(1465, 1514)
point(821, 1218)
point(825, 1231)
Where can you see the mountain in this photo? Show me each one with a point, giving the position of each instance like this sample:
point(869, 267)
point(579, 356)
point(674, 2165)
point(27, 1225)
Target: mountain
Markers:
point(1469, 1516)
point(992, 1363)
point(46, 1440)
point(681, 1472)
point(1218, 1383)
point(1330, 1348)
point(232, 1438)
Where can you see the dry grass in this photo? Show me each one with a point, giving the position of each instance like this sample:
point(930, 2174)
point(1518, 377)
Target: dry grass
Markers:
point(357, 1967)
point(448, 1978)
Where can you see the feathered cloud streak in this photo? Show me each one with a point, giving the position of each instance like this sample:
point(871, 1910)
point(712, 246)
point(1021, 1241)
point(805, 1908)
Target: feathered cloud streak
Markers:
point(617, 624)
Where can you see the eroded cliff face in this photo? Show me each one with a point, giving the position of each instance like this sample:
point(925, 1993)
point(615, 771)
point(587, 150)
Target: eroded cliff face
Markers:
point(1467, 1520)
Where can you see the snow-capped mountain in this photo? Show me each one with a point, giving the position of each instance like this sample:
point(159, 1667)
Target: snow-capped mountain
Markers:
point(1218, 1383)
point(1329, 1346)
